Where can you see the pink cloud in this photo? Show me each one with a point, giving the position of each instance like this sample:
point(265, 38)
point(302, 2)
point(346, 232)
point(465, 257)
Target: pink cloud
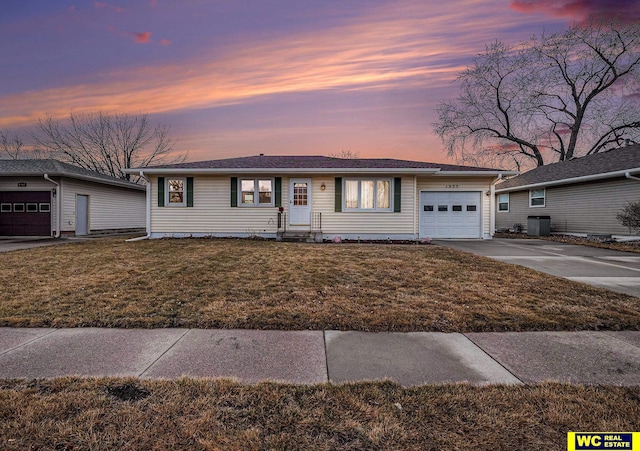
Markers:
point(101, 5)
point(165, 42)
point(153, 2)
point(580, 10)
point(141, 38)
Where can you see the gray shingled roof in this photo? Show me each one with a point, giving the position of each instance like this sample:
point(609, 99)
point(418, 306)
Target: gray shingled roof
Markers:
point(315, 163)
point(605, 164)
point(51, 167)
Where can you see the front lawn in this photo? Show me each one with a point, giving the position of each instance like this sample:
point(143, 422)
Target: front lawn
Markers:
point(209, 283)
point(131, 414)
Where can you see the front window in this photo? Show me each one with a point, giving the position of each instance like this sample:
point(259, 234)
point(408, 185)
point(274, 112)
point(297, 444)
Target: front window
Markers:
point(503, 202)
point(537, 198)
point(256, 192)
point(176, 192)
point(367, 194)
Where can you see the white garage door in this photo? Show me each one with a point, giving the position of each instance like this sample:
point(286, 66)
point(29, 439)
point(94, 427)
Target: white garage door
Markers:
point(446, 214)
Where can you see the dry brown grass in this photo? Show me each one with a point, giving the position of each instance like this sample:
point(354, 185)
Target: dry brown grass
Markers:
point(101, 414)
point(267, 285)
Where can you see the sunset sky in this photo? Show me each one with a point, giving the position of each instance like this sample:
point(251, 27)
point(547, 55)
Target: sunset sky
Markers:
point(280, 77)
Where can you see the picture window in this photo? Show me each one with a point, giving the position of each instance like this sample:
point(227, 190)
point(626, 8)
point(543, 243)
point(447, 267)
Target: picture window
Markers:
point(256, 192)
point(367, 194)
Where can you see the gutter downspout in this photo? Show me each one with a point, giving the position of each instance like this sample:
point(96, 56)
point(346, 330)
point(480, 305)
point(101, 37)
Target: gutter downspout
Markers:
point(148, 208)
point(492, 206)
point(631, 177)
point(58, 205)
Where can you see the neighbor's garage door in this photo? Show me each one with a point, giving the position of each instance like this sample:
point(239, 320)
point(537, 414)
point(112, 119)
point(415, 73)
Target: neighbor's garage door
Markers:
point(445, 214)
point(25, 213)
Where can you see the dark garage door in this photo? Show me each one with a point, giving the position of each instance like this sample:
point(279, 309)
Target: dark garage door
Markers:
point(25, 213)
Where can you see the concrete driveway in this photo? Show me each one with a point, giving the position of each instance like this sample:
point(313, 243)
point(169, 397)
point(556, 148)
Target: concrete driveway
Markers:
point(18, 243)
point(614, 270)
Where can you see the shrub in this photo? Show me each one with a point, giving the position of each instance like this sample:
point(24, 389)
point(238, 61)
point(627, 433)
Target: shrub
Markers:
point(629, 216)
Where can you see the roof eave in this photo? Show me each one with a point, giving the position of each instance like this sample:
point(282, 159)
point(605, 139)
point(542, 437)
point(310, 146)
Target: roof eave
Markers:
point(122, 184)
point(491, 172)
point(178, 171)
point(412, 171)
point(569, 181)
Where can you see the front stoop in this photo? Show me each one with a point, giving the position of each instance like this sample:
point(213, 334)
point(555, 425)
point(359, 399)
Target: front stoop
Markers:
point(299, 237)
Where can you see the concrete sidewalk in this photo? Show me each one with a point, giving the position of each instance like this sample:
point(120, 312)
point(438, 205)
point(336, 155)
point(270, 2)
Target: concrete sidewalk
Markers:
point(309, 357)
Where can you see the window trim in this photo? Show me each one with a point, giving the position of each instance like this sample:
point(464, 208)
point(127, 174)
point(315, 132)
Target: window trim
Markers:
point(508, 202)
point(256, 192)
point(375, 180)
point(167, 192)
point(4, 209)
point(543, 197)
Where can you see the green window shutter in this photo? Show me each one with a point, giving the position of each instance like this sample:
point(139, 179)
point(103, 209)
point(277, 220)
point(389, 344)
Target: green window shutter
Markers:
point(397, 194)
point(278, 190)
point(338, 205)
point(189, 191)
point(234, 191)
point(160, 191)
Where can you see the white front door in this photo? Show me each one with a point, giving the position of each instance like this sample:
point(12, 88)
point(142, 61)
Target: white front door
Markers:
point(300, 202)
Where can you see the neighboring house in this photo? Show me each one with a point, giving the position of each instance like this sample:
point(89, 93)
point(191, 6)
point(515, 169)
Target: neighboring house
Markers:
point(581, 196)
point(48, 197)
point(368, 199)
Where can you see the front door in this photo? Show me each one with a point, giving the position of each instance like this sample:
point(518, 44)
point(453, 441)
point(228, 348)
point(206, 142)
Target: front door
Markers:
point(300, 202)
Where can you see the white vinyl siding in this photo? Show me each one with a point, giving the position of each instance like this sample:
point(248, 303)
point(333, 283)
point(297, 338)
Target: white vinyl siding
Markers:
point(110, 207)
point(579, 208)
point(212, 212)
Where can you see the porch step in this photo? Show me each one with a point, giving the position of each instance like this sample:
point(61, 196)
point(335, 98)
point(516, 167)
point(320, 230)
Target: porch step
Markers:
point(300, 237)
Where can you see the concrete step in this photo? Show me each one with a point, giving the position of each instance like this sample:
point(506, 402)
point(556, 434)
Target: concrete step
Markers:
point(300, 237)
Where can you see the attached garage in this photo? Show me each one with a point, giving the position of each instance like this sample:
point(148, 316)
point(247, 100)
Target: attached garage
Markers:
point(25, 213)
point(450, 214)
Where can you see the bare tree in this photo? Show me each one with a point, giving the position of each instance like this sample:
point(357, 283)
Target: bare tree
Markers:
point(107, 143)
point(552, 98)
point(11, 146)
point(345, 153)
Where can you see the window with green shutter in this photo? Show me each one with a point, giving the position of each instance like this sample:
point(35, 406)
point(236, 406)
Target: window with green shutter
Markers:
point(397, 194)
point(160, 191)
point(234, 191)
